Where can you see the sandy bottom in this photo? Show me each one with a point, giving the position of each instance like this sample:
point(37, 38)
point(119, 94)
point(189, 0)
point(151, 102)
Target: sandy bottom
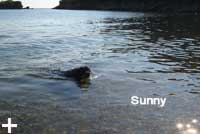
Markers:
point(45, 106)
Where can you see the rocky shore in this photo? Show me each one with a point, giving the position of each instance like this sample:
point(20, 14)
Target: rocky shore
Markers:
point(183, 6)
point(9, 4)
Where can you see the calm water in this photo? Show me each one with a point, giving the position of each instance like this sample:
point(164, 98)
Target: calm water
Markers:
point(130, 54)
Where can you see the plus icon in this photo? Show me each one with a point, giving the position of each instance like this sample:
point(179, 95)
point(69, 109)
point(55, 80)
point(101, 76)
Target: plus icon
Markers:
point(9, 125)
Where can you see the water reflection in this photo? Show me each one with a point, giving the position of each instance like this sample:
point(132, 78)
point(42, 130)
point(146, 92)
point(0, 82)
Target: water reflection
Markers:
point(164, 43)
point(194, 121)
point(191, 128)
point(84, 83)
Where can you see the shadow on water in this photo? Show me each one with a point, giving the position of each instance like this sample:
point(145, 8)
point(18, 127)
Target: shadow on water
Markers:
point(169, 43)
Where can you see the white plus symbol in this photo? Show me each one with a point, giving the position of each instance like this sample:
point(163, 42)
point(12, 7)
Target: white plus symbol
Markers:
point(9, 125)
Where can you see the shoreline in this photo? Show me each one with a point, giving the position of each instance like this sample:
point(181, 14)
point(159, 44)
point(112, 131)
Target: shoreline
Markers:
point(172, 7)
point(128, 11)
point(132, 11)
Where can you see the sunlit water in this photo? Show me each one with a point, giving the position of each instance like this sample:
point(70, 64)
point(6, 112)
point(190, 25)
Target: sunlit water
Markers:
point(129, 53)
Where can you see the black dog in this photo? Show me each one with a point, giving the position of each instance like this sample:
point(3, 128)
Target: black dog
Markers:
point(78, 74)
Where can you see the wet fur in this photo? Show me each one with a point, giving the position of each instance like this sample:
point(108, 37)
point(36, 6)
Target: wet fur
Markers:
point(78, 73)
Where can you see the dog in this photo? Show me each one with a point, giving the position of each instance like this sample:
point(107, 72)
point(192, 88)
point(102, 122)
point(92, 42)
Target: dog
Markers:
point(78, 74)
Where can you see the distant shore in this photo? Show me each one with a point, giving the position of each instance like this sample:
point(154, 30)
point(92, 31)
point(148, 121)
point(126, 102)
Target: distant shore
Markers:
point(9, 4)
point(161, 6)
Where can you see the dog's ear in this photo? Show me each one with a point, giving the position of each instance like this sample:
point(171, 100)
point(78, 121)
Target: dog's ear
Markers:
point(87, 68)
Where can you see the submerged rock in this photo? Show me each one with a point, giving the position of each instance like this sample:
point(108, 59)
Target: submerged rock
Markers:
point(194, 92)
point(9, 4)
point(172, 94)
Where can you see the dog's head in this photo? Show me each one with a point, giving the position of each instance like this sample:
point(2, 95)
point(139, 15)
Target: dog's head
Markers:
point(84, 72)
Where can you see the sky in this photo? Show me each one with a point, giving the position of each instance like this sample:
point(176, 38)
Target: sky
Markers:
point(40, 3)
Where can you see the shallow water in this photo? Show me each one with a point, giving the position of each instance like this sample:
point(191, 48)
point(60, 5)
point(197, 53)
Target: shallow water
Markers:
point(129, 53)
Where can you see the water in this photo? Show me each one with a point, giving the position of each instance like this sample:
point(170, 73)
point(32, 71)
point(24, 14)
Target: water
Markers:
point(129, 53)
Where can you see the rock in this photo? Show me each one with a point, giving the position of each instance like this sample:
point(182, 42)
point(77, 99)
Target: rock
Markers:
point(172, 94)
point(27, 7)
point(155, 94)
point(9, 4)
point(133, 5)
point(194, 92)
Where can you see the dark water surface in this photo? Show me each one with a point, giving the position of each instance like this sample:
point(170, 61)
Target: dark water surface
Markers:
point(138, 54)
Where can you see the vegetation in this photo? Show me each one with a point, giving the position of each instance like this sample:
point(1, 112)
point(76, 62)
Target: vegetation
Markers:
point(9, 4)
point(133, 5)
